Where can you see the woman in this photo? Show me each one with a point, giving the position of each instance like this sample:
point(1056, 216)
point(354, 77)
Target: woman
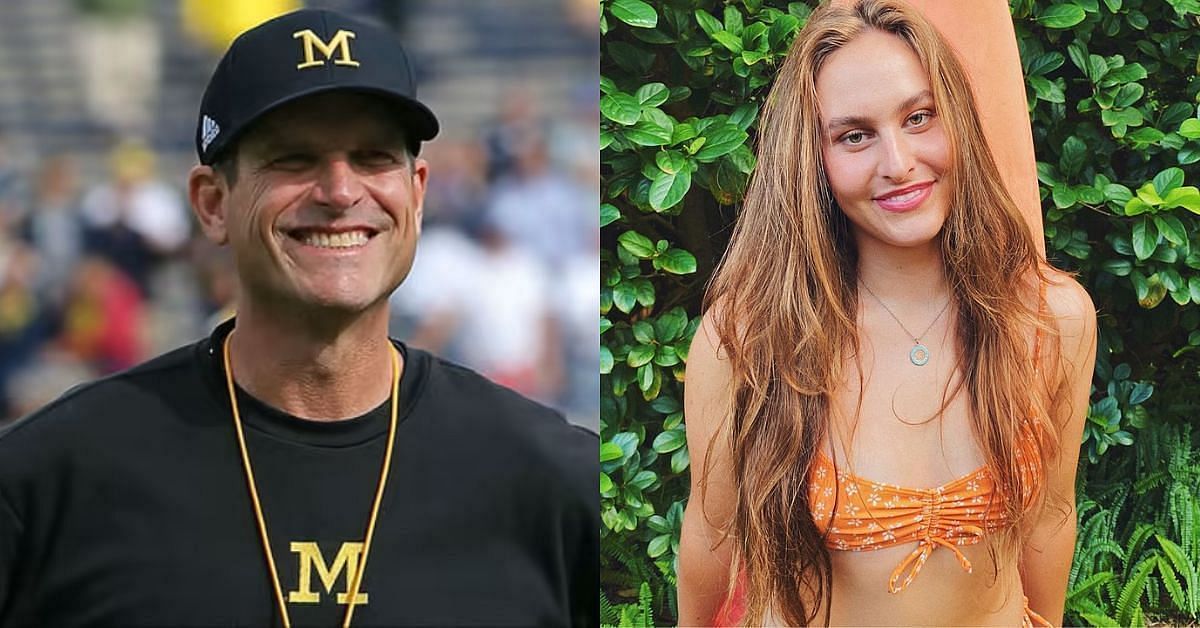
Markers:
point(886, 396)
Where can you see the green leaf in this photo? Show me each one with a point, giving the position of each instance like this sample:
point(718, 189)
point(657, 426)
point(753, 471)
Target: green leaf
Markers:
point(643, 332)
point(783, 28)
point(634, 13)
point(637, 244)
point(610, 452)
point(733, 19)
point(606, 483)
point(645, 378)
point(669, 441)
point(1131, 593)
point(606, 360)
point(1118, 267)
point(657, 547)
point(1194, 288)
point(670, 161)
point(1077, 51)
point(665, 405)
point(1128, 94)
point(1074, 153)
point(1146, 135)
point(721, 141)
point(1124, 74)
point(634, 59)
point(670, 324)
point(1046, 89)
point(1171, 228)
point(668, 189)
point(709, 24)
point(1149, 195)
point(1138, 20)
point(608, 214)
point(1155, 292)
point(1187, 197)
point(652, 94)
point(1128, 117)
point(731, 42)
point(1190, 128)
point(1113, 5)
point(640, 355)
point(1168, 180)
point(744, 116)
point(1145, 238)
point(666, 356)
point(644, 479)
point(1097, 67)
point(1045, 63)
point(682, 132)
point(680, 460)
point(644, 291)
point(677, 261)
point(621, 108)
point(654, 129)
point(1141, 392)
point(624, 296)
point(1064, 196)
point(1061, 16)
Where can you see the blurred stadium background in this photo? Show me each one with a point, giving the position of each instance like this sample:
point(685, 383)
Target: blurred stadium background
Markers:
point(101, 265)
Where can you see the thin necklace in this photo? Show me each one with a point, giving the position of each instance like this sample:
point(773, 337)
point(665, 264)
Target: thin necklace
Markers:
point(919, 354)
point(258, 513)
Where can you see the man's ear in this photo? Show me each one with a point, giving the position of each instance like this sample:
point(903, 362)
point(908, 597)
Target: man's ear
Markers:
point(420, 175)
point(209, 196)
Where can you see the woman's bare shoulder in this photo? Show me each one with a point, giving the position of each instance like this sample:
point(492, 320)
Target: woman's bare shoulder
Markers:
point(1070, 306)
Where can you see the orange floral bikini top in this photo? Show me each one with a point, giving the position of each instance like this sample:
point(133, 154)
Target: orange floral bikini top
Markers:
point(869, 515)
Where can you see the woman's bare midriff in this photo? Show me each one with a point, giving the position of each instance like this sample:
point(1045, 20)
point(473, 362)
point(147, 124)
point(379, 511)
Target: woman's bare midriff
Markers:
point(942, 595)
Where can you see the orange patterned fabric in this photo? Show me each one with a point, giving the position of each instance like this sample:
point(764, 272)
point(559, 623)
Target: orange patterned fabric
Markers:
point(869, 515)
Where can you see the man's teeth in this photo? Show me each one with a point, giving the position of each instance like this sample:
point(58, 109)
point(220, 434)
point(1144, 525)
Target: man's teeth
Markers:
point(336, 240)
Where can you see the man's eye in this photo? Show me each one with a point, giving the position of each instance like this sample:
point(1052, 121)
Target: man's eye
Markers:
point(292, 161)
point(377, 158)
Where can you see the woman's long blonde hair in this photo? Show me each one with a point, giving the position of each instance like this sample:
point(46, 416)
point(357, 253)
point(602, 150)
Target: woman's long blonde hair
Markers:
point(785, 298)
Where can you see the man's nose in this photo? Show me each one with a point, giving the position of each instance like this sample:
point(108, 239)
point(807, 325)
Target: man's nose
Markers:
point(338, 185)
point(898, 160)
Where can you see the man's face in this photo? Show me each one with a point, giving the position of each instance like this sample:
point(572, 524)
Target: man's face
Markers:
point(326, 207)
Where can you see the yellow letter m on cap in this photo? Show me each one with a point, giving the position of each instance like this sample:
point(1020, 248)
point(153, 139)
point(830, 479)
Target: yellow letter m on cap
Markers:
point(339, 45)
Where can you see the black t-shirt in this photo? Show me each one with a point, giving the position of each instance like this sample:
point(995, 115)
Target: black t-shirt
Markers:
point(125, 503)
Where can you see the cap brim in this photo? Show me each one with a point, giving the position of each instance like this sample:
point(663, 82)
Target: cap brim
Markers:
point(418, 121)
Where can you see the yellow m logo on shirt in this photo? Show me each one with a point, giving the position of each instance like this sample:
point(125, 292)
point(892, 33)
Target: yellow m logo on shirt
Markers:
point(339, 45)
point(347, 560)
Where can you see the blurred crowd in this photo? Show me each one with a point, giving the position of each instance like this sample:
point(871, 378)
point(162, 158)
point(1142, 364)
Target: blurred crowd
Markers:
point(102, 265)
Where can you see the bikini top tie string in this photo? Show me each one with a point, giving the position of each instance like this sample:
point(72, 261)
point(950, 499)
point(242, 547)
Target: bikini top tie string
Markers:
point(916, 559)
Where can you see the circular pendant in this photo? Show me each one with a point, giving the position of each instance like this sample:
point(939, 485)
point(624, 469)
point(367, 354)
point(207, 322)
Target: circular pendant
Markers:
point(919, 355)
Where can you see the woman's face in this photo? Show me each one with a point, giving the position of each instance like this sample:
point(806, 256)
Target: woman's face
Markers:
point(886, 153)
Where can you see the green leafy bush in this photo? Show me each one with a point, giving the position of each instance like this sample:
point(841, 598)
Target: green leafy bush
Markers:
point(1112, 88)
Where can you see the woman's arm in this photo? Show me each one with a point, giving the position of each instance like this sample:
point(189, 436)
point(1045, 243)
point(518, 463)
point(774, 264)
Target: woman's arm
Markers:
point(703, 564)
point(1046, 556)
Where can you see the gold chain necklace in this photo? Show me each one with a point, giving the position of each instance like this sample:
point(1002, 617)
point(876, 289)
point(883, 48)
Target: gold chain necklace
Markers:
point(258, 513)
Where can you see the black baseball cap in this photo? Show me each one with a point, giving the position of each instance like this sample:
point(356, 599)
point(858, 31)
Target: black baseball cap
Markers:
point(302, 53)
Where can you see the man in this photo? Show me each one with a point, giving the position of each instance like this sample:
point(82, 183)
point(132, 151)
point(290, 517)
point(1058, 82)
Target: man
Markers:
point(298, 467)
